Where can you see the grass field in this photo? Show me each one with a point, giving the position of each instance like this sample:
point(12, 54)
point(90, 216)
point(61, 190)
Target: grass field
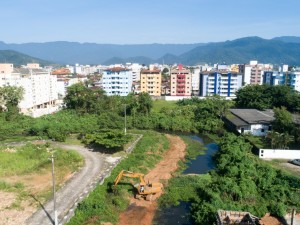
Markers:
point(159, 104)
point(25, 171)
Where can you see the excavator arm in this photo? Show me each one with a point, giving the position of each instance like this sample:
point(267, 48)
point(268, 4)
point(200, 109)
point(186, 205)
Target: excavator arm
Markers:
point(125, 173)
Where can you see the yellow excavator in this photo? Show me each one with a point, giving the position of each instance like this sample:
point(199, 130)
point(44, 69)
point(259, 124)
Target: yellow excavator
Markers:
point(144, 190)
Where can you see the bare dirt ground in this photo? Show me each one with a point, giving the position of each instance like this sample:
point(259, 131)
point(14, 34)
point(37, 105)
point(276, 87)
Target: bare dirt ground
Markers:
point(15, 210)
point(141, 212)
point(270, 220)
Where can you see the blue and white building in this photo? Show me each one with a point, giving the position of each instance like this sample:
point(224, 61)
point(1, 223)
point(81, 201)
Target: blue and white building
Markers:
point(223, 83)
point(117, 81)
point(291, 79)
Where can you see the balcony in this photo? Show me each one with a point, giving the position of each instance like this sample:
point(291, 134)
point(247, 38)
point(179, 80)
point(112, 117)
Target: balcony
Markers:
point(180, 76)
point(180, 84)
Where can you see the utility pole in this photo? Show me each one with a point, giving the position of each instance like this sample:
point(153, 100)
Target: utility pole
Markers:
point(125, 121)
point(293, 215)
point(54, 196)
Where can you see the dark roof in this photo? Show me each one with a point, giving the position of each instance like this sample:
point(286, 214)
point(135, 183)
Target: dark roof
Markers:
point(254, 116)
point(237, 121)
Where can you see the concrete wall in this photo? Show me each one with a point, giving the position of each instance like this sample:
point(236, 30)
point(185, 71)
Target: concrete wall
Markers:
point(259, 129)
point(279, 154)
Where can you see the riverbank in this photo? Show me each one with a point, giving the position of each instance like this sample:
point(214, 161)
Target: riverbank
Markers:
point(142, 212)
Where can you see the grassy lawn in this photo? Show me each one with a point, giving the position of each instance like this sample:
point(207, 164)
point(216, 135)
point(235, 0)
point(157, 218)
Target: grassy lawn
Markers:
point(26, 170)
point(284, 165)
point(18, 138)
point(73, 140)
point(159, 104)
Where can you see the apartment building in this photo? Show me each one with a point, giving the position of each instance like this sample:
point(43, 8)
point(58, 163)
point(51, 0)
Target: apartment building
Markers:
point(136, 71)
point(40, 90)
point(151, 81)
point(253, 72)
point(181, 81)
point(6, 68)
point(195, 79)
point(291, 79)
point(33, 66)
point(117, 81)
point(221, 82)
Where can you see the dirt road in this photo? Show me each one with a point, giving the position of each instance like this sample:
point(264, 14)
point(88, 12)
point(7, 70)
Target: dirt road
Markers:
point(141, 212)
point(95, 163)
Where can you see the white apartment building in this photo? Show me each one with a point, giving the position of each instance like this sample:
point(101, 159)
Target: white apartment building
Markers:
point(196, 79)
point(40, 90)
point(63, 83)
point(117, 81)
point(82, 69)
point(136, 71)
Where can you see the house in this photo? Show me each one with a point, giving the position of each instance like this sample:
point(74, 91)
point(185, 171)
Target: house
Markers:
point(251, 121)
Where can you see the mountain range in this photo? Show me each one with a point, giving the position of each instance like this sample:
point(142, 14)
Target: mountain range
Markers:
point(278, 50)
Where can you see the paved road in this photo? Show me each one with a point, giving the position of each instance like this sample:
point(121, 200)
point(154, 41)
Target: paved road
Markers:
point(95, 166)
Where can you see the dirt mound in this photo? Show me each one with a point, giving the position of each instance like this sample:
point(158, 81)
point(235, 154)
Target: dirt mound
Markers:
point(141, 212)
point(270, 220)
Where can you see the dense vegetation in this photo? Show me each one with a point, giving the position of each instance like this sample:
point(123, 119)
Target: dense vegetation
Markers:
point(240, 182)
point(268, 97)
point(88, 111)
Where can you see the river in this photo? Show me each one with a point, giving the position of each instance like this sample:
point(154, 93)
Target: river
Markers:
point(201, 165)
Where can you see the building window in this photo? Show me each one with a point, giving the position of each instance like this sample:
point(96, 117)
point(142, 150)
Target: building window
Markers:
point(262, 130)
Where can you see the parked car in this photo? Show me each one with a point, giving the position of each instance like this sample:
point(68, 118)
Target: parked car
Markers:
point(296, 162)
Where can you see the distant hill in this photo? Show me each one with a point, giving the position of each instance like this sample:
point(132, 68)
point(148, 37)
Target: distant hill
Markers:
point(17, 58)
point(243, 50)
point(91, 53)
point(278, 50)
point(288, 39)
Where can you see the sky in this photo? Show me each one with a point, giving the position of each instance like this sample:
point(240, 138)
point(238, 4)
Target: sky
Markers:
point(146, 21)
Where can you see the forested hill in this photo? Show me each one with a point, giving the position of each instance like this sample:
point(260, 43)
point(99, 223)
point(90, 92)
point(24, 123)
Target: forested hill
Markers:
point(243, 50)
point(17, 58)
point(92, 53)
point(280, 50)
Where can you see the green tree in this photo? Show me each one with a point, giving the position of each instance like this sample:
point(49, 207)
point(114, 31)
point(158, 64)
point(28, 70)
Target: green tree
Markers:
point(107, 138)
point(283, 121)
point(145, 103)
point(267, 97)
point(10, 96)
point(253, 96)
point(84, 99)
